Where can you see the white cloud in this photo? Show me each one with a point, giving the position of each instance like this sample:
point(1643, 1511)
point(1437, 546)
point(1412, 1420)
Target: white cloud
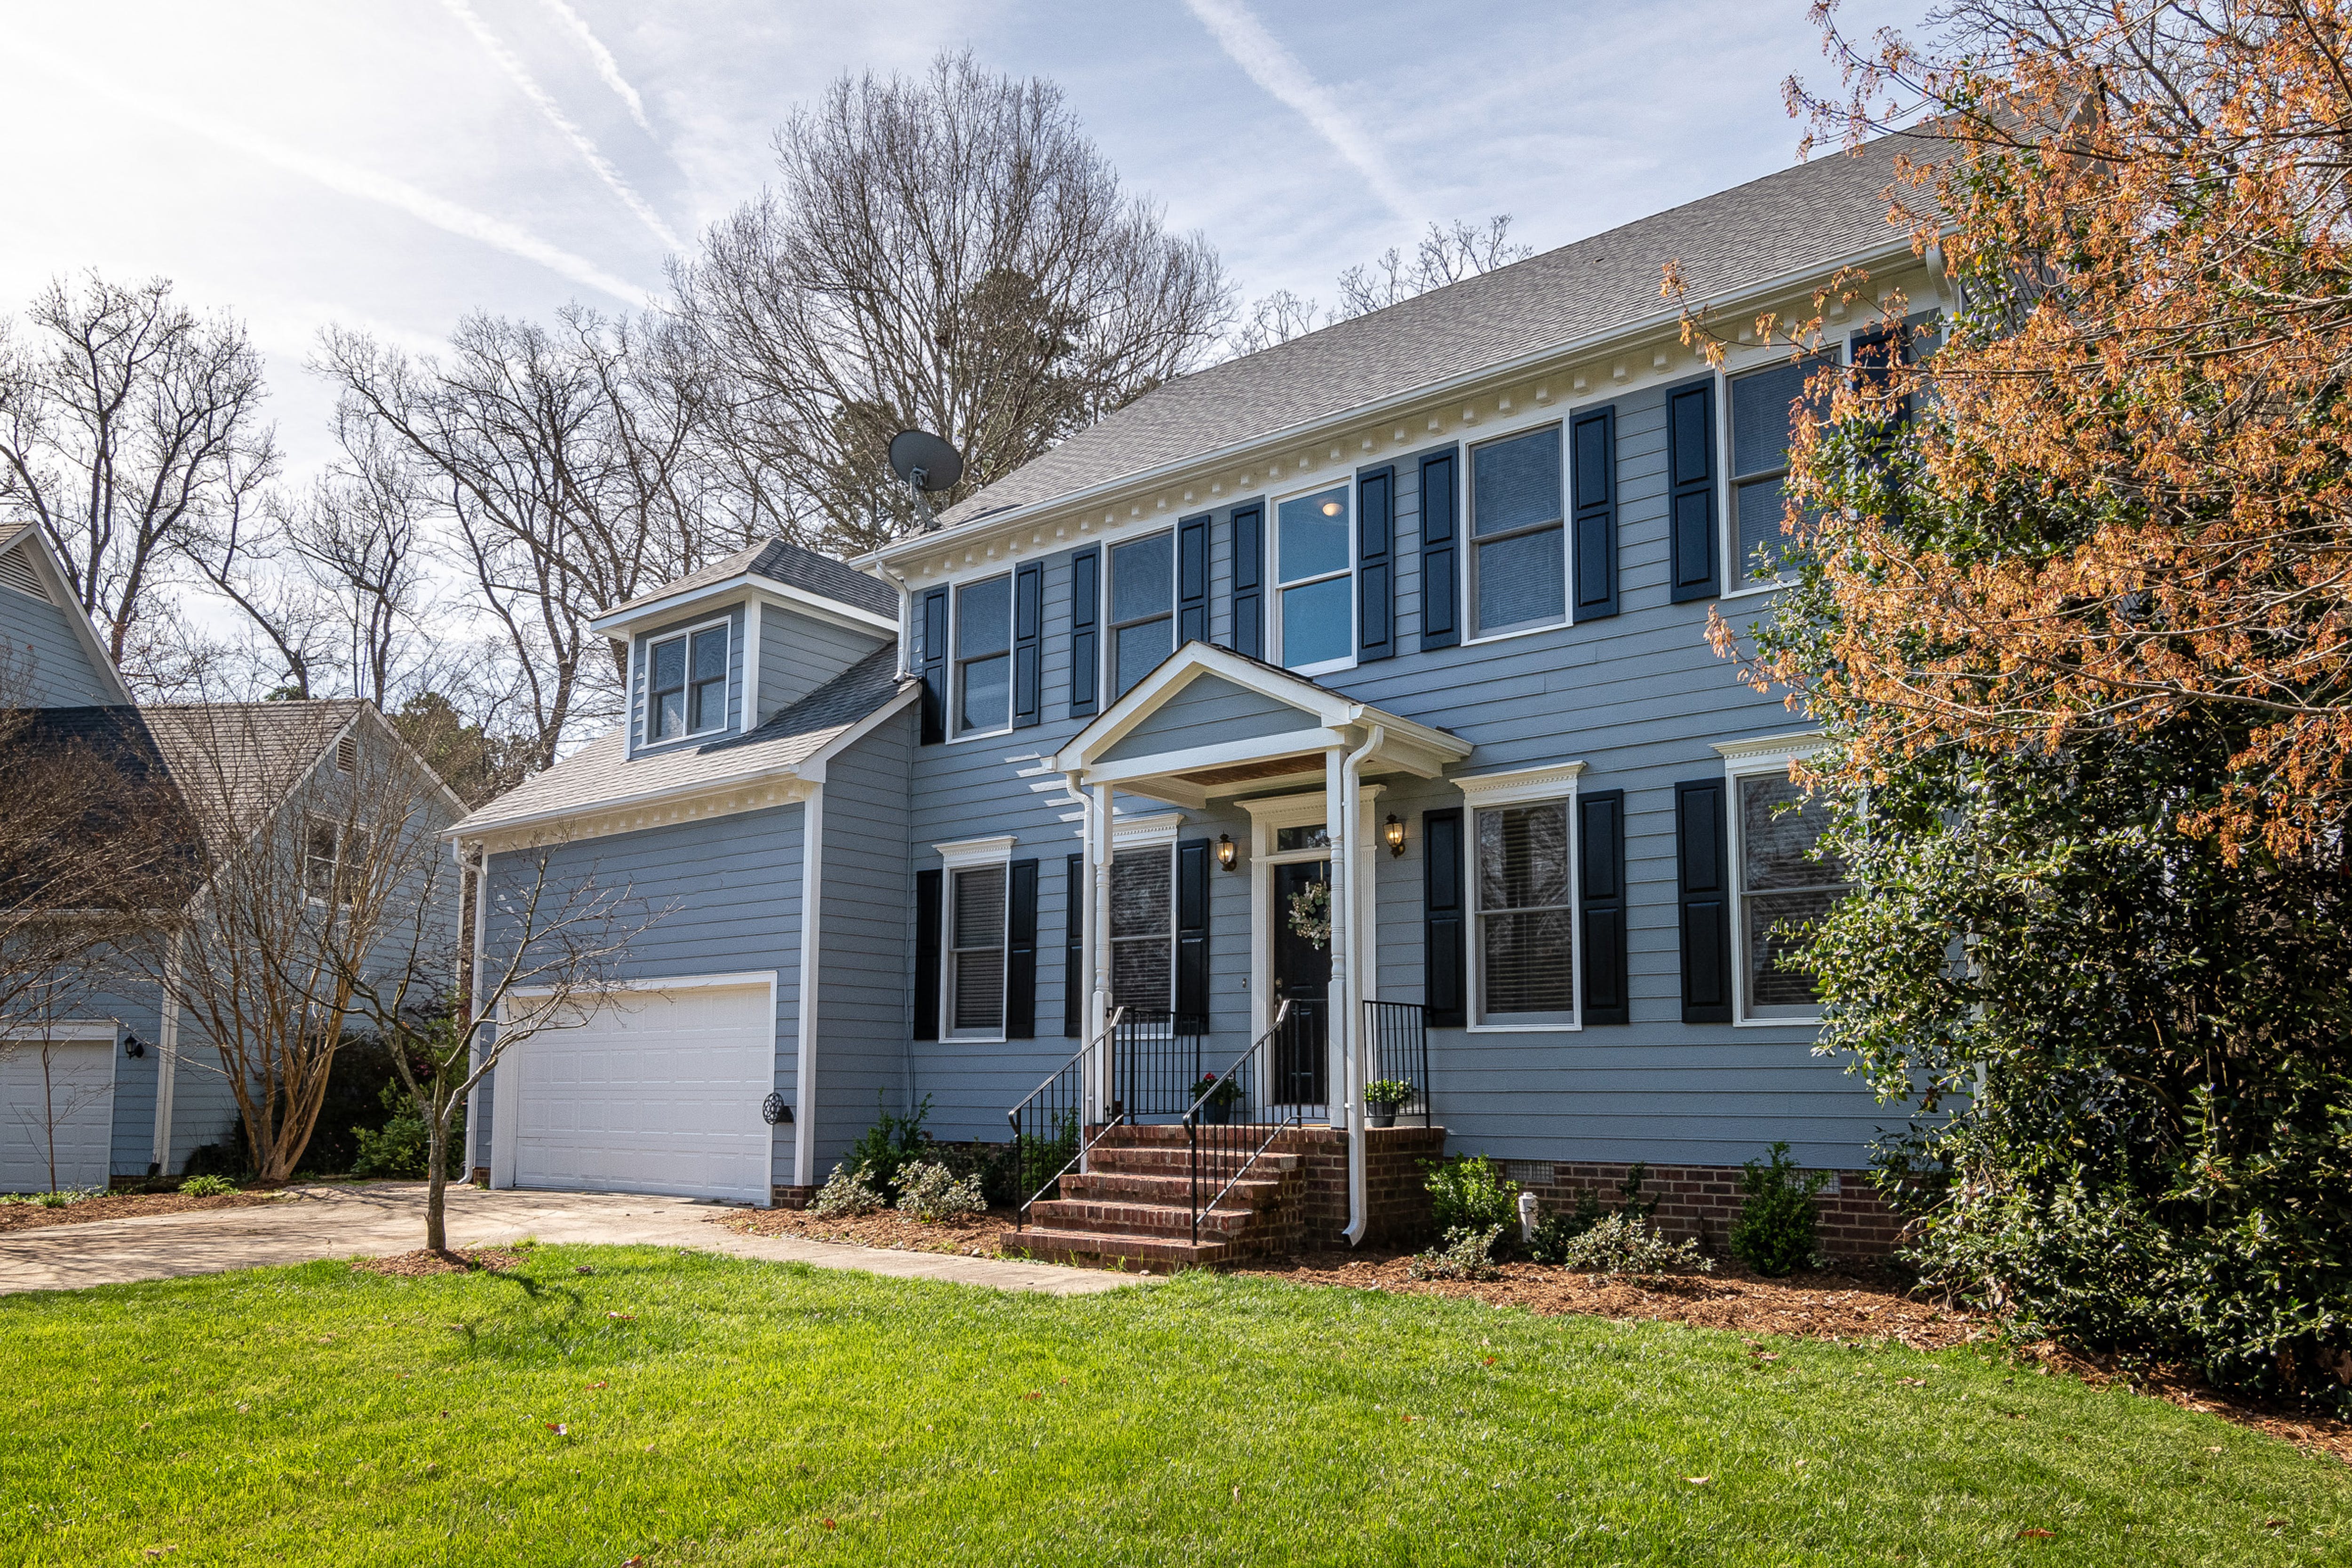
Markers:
point(607, 67)
point(553, 112)
point(366, 185)
point(1273, 67)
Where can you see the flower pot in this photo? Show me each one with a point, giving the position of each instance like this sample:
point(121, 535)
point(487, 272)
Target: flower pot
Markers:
point(1213, 1115)
point(1379, 1115)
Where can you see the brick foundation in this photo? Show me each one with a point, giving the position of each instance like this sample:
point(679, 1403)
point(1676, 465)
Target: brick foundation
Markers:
point(1702, 1201)
point(791, 1198)
point(1396, 1202)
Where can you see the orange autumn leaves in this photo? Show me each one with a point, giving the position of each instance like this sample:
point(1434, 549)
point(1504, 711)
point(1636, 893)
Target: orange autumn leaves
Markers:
point(2131, 487)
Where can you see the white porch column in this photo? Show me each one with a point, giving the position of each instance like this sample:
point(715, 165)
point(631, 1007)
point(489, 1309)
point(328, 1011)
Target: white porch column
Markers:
point(1097, 940)
point(1337, 873)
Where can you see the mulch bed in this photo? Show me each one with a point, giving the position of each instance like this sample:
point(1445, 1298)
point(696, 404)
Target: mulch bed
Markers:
point(972, 1236)
point(123, 1206)
point(424, 1260)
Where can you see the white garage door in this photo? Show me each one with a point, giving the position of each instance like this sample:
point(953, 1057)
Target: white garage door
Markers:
point(68, 1109)
point(658, 1092)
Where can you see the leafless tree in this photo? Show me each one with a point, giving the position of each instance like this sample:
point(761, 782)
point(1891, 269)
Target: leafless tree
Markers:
point(951, 252)
point(1444, 256)
point(131, 428)
point(574, 470)
point(1277, 318)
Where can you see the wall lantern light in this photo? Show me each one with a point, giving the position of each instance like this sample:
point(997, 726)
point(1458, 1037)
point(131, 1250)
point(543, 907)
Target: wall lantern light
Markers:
point(133, 1047)
point(1225, 850)
point(1393, 831)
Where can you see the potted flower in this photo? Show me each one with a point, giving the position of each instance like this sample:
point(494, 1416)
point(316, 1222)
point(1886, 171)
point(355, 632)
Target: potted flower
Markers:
point(1382, 1097)
point(1216, 1097)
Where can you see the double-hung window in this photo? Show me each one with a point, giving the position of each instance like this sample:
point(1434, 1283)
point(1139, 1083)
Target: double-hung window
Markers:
point(1143, 927)
point(1526, 912)
point(983, 661)
point(1787, 880)
point(1143, 608)
point(1764, 405)
point(686, 684)
point(975, 957)
point(1314, 568)
point(333, 861)
point(1518, 546)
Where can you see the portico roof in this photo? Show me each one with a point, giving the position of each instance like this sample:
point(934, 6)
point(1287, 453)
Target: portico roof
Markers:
point(1208, 721)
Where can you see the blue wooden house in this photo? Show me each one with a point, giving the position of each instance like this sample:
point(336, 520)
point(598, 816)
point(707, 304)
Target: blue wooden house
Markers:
point(1339, 715)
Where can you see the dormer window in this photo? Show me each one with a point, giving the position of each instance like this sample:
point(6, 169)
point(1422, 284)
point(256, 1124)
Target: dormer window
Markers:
point(686, 688)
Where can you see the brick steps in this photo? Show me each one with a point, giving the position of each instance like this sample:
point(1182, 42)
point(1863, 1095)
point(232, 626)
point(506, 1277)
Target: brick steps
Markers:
point(1133, 1205)
point(1097, 1249)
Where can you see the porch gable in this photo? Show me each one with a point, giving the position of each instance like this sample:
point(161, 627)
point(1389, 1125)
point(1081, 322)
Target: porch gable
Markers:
point(1208, 710)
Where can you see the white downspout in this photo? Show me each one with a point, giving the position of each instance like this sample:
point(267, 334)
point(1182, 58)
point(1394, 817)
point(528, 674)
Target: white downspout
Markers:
point(167, 1047)
point(1100, 848)
point(1349, 953)
point(812, 924)
point(906, 625)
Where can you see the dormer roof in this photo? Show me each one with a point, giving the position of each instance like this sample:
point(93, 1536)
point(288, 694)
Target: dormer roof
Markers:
point(776, 568)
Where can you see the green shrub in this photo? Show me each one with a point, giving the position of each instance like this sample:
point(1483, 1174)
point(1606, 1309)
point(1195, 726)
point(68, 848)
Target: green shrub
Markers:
point(207, 1187)
point(846, 1194)
point(1037, 1160)
point(1774, 1232)
point(1558, 1227)
point(929, 1191)
point(891, 1145)
point(228, 1157)
point(1469, 1191)
point(1390, 1092)
point(1621, 1243)
point(399, 1147)
point(1465, 1254)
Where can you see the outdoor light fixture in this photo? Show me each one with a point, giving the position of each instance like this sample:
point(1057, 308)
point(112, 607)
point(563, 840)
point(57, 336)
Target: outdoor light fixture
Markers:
point(1393, 831)
point(774, 1111)
point(133, 1047)
point(1225, 850)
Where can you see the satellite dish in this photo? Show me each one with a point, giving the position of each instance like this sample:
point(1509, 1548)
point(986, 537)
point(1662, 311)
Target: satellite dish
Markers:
point(924, 461)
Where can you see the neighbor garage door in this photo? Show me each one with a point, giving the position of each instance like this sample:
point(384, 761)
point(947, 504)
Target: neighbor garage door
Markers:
point(658, 1092)
point(68, 1108)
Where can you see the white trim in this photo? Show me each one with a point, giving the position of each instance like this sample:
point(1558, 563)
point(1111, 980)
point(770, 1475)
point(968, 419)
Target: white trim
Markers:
point(1467, 507)
point(953, 696)
point(64, 1032)
point(1274, 587)
point(1736, 583)
point(1759, 758)
point(1106, 623)
point(1145, 832)
point(1506, 637)
point(804, 1009)
point(1768, 753)
point(629, 622)
point(960, 853)
point(1547, 781)
point(1192, 759)
point(167, 1052)
point(1521, 786)
point(504, 1102)
point(643, 656)
point(752, 615)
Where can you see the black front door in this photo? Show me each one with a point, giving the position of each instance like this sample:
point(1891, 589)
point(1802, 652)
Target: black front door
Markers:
point(1302, 976)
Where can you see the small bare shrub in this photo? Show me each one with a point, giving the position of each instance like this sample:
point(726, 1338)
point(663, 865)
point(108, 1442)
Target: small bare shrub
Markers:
point(845, 1194)
point(1465, 1254)
point(929, 1191)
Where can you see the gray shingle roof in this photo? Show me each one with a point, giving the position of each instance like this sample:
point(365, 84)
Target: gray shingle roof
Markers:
point(1811, 217)
point(235, 762)
point(601, 772)
point(791, 565)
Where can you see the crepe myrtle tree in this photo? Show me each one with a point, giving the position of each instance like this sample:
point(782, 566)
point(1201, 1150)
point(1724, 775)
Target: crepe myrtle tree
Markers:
point(450, 1008)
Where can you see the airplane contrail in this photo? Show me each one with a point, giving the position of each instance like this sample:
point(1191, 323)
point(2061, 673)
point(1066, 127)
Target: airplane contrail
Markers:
point(1267, 62)
point(366, 185)
point(607, 67)
point(552, 112)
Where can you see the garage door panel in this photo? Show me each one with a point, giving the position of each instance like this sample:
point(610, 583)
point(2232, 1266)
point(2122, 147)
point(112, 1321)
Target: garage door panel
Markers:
point(660, 1094)
point(78, 1097)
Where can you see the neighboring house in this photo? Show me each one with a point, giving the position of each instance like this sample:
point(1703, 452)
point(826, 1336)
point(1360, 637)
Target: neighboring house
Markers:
point(123, 1083)
point(1405, 620)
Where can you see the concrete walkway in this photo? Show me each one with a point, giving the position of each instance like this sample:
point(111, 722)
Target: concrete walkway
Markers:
point(382, 1218)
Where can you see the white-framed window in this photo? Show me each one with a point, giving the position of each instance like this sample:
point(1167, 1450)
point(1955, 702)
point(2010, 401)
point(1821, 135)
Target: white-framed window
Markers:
point(1143, 927)
point(972, 957)
point(1517, 539)
point(1142, 609)
point(333, 856)
point(983, 657)
point(1314, 580)
point(685, 683)
point(1522, 870)
point(1782, 879)
point(1763, 404)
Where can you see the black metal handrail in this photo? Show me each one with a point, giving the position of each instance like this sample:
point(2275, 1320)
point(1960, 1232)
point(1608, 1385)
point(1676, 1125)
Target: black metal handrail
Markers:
point(1156, 1062)
point(1398, 1033)
point(1212, 1143)
point(1050, 1124)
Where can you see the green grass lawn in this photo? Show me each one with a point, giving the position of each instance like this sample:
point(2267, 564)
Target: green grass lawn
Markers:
point(693, 1409)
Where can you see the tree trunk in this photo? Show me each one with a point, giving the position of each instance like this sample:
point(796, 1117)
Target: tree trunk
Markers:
point(437, 1180)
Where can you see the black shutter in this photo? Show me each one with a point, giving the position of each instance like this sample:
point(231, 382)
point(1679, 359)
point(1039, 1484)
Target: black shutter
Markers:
point(1375, 567)
point(1193, 934)
point(1028, 628)
point(935, 667)
point(1086, 616)
point(1192, 580)
point(1443, 972)
point(1690, 464)
point(1021, 952)
point(926, 955)
point(1601, 851)
point(1440, 556)
point(1074, 947)
point(1594, 486)
point(1249, 580)
point(1706, 876)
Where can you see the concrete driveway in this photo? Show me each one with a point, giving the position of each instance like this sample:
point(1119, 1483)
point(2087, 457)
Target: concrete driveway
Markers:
point(385, 1217)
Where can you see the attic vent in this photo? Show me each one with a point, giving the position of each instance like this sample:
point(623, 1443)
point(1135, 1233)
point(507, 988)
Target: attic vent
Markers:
point(16, 572)
point(347, 753)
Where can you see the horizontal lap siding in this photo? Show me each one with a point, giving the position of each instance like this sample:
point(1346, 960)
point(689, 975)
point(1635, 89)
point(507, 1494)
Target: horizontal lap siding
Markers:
point(863, 945)
point(61, 675)
point(799, 653)
point(1208, 711)
point(724, 896)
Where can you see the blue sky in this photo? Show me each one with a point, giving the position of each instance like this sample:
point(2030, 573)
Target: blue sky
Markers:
point(393, 166)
